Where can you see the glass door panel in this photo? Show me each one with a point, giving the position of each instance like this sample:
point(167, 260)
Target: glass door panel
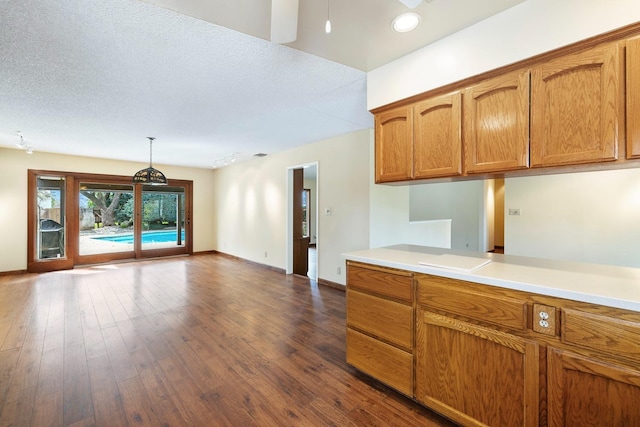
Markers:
point(163, 217)
point(51, 217)
point(105, 218)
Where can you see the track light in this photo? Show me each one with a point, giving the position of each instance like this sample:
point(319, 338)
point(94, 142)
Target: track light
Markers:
point(26, 147)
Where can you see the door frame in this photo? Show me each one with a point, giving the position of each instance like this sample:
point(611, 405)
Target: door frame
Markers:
point(289, 209)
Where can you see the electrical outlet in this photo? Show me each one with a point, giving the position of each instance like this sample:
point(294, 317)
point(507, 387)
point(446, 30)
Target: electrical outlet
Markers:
point(265, 254)
point(339, 270)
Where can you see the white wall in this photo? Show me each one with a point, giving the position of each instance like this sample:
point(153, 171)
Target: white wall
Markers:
point(251, 203)
point(592, 217)
point(460, 202)
point(525, 30)
point(13, 196)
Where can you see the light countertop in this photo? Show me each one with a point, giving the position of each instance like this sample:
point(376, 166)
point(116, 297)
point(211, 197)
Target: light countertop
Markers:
point(593, 283)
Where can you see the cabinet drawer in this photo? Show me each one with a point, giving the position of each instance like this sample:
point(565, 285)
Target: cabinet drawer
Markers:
point(462, 298)
point(391, 283)
point(389, 320)
point(604, 333)
point(384, 362)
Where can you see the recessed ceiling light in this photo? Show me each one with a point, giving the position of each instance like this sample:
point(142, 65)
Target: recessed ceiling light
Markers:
point(405, 22)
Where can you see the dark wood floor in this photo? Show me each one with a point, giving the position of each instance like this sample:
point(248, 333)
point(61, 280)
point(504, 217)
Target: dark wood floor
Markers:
point(191, 341)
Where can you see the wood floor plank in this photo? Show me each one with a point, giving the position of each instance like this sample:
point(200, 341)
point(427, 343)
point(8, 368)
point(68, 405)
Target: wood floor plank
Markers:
point(170, 411)
point(19, 412)
point(107, 402)
point(77, 398)
point(47, 410)
point(190, 394)
point(8, 362)
point(17, 331)
point(205, 340)
point(121, 363)
point(27, 368)
point(137, 405)
point(50, 376)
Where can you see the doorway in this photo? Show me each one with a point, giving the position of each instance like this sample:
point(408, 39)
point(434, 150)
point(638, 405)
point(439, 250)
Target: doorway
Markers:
point(492, 216)
point(302, 223)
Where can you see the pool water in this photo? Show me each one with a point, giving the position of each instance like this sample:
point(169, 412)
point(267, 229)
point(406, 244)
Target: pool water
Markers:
point(147, 237)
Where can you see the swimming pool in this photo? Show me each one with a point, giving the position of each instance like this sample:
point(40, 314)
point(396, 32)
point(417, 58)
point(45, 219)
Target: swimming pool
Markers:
point(147, 237)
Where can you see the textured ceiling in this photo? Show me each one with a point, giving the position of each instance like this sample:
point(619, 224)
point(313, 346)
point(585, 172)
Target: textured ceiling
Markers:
point(95, 78)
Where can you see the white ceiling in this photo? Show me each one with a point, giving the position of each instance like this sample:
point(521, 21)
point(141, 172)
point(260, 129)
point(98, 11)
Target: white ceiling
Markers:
point(95, 78)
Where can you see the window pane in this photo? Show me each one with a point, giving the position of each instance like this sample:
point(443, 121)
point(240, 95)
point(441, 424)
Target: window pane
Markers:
point(51, 217)
point(105, 218)
point(162, 217)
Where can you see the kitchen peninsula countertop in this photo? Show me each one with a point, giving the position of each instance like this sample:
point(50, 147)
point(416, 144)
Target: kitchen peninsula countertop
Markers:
point(605, 285)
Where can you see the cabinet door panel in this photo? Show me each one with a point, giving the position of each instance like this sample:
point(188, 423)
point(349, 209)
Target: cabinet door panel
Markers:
point(394, 145)
point(475, 375)
point(496, 124)
point(583, 392)
point(575, 108)
point(438, 139)
point(633, 98)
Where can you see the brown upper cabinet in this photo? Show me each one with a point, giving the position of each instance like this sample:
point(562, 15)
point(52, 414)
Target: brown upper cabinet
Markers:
point(571, 109)
point(633, 98)
point(394, 145)
point(576, 108)
point(496, 124)
point(438, 139)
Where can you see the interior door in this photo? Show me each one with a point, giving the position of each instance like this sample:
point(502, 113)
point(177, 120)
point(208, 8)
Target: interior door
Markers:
point(300, 241)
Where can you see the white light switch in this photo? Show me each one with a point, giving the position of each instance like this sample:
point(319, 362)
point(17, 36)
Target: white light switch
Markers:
point(327, 211)
point(514, 211)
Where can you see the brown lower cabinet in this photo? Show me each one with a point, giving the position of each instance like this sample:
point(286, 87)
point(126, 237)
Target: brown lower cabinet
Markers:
point(584, 391)
point(487, 356)
point(475, 375)
point(380, 324)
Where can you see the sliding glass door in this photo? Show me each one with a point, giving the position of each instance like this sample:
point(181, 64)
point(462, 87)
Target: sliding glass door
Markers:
point(105, 219)
point(77, 219)
point(163, 217)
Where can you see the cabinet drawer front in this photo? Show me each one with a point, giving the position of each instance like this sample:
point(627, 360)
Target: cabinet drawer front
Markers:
point(384, 362)
point(381, 281)
point(604, 333)
point(389, 320)
point(452, 296)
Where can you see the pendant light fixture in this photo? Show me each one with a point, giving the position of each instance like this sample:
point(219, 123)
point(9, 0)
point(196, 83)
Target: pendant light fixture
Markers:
point(150, 176)
point(327, 26)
